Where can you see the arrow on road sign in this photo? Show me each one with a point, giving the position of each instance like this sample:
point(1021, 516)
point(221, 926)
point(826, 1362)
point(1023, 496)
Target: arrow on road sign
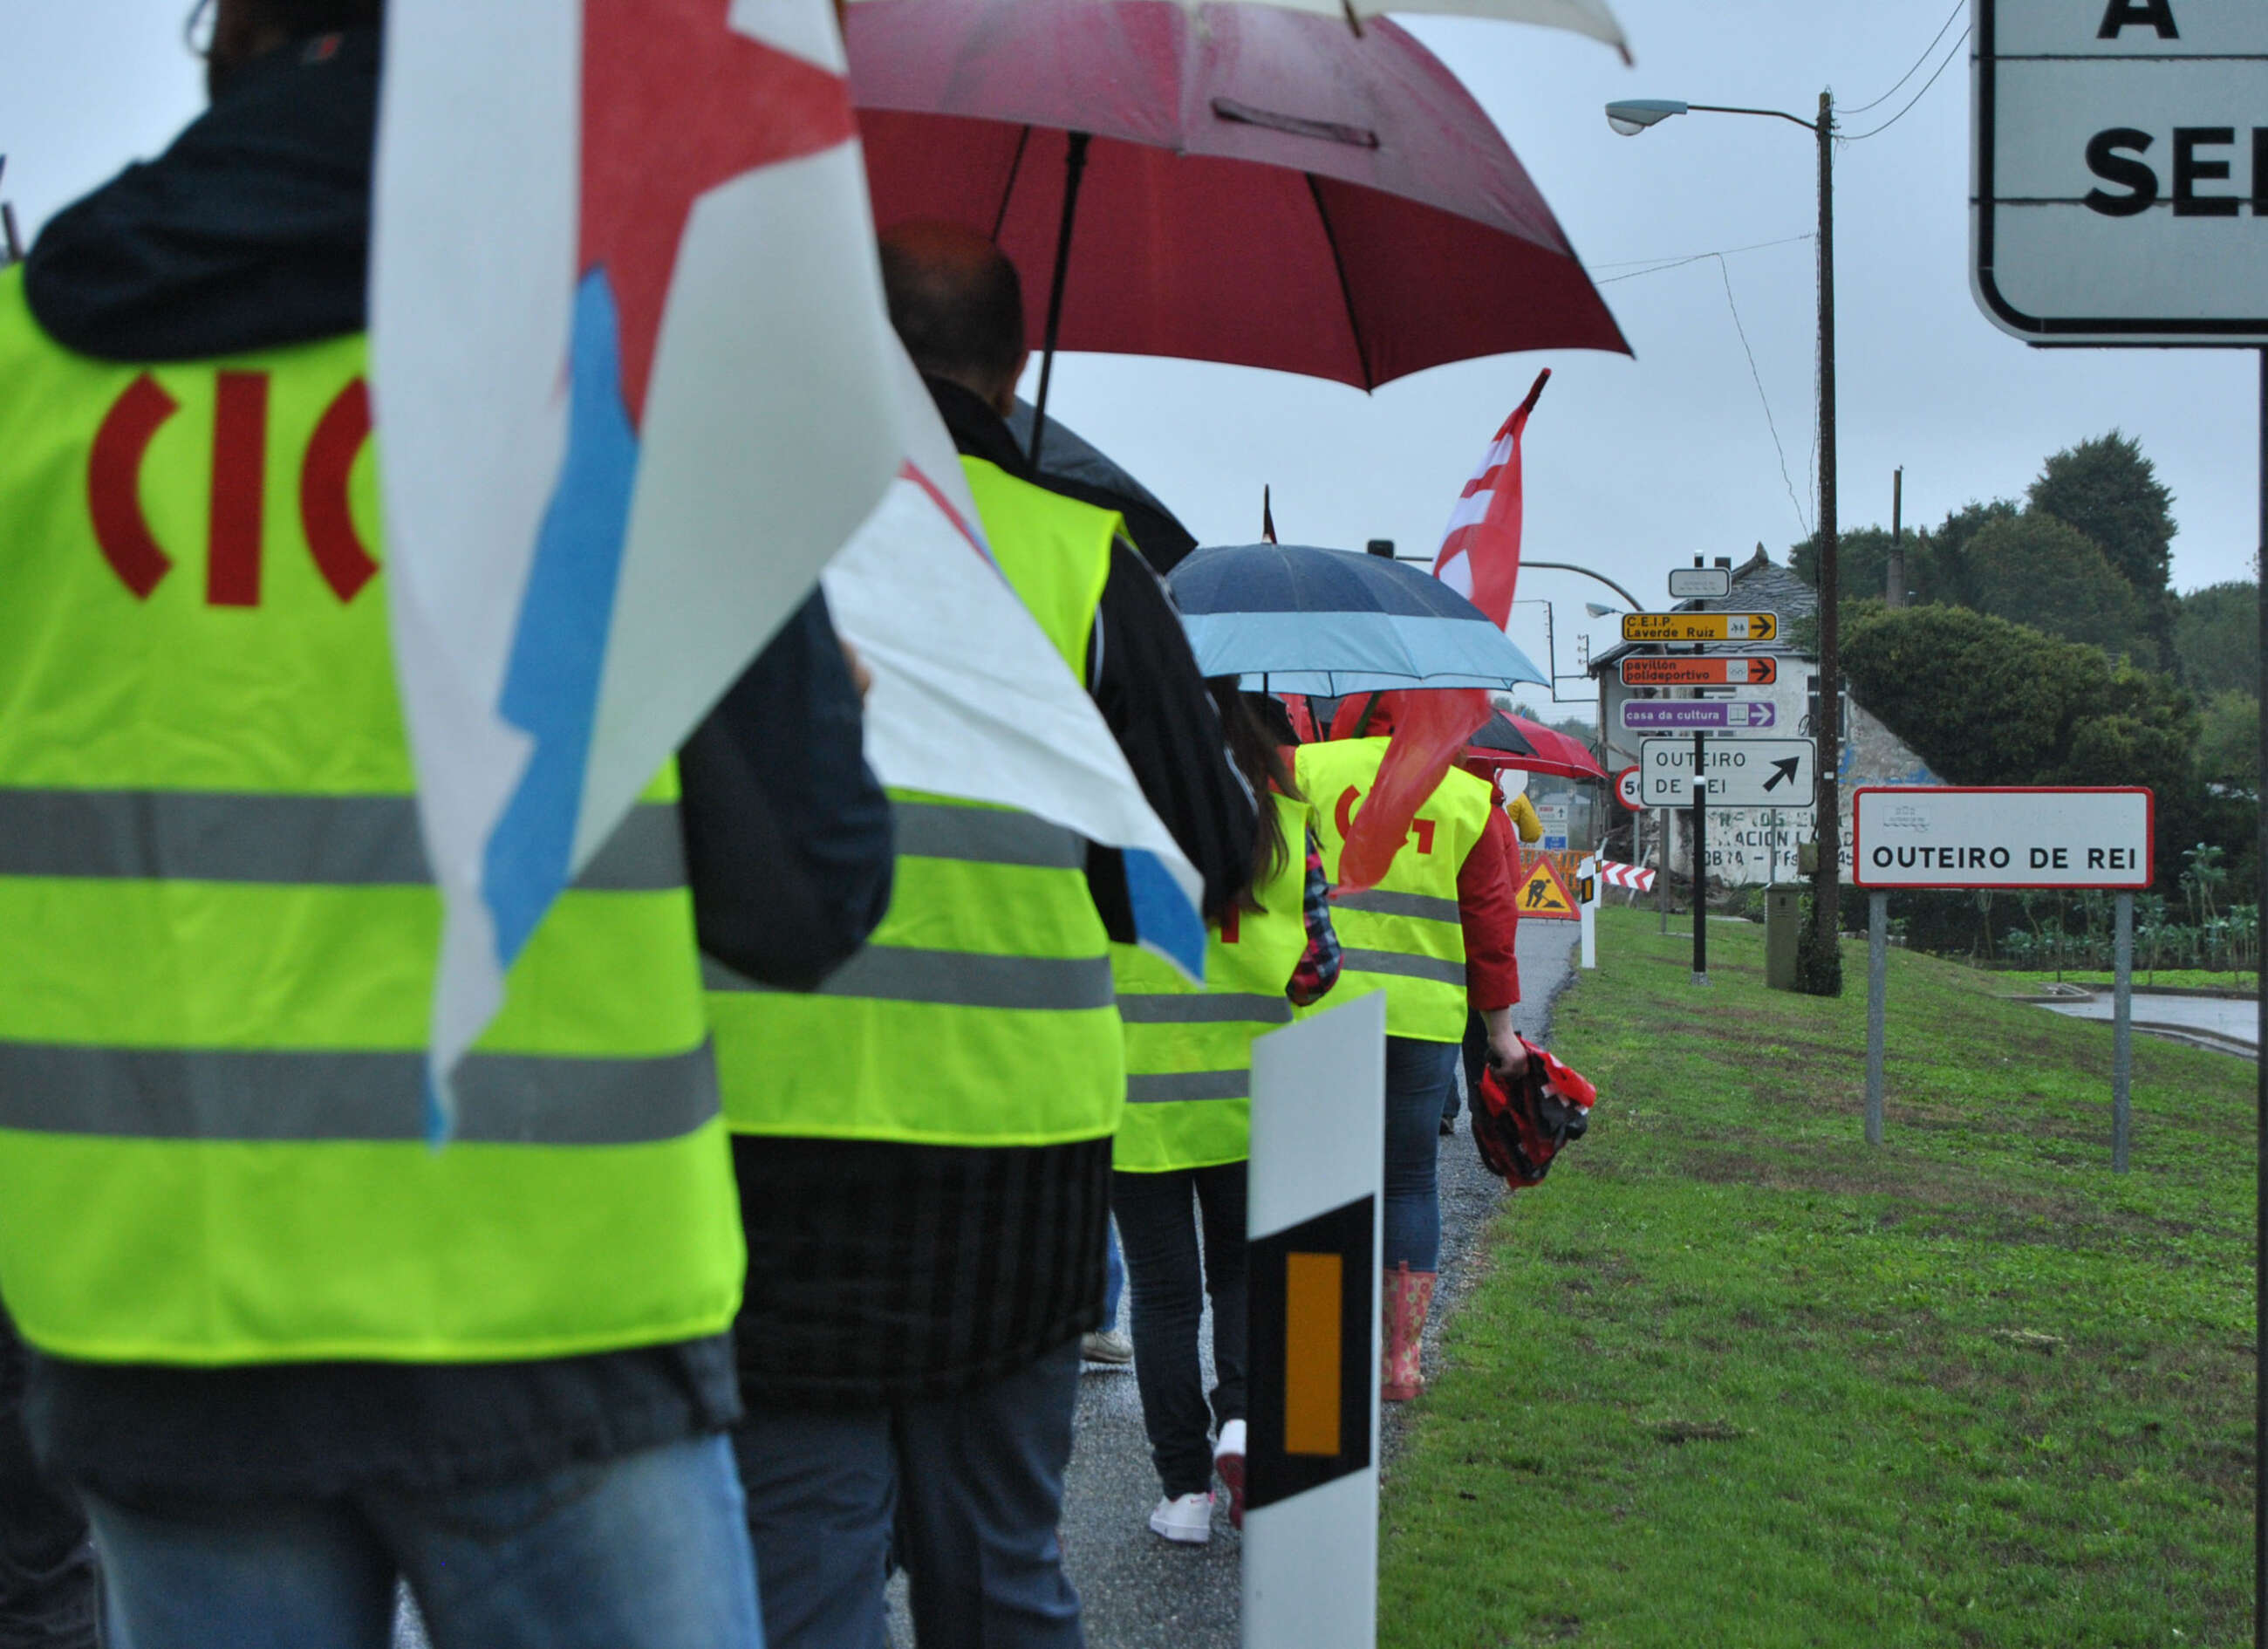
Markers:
point(1784, 769)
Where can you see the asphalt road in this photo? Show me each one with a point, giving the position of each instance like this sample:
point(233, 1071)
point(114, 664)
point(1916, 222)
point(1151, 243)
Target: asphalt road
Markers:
point(1140, 1591)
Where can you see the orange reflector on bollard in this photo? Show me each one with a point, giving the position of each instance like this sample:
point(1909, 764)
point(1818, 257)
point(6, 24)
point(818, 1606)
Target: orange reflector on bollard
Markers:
point(1313, 1287)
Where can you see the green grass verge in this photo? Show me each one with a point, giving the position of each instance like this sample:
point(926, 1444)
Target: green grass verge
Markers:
point(1731, 1378)
point(2015, 982)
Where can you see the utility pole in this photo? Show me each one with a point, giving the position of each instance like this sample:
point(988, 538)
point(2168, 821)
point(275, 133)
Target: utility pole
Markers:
point(1896, 594)
point(1824, 974)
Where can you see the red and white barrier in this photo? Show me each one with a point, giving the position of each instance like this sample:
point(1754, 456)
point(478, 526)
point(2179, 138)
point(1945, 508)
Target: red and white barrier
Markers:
point(1639, 878)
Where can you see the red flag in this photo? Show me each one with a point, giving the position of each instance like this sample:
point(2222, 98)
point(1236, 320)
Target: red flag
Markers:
point(1479, 556)
point(1479, 559)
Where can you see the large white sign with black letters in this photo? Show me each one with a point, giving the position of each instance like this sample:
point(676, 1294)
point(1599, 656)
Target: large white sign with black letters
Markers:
point(1932, 837)
point(2119, 169)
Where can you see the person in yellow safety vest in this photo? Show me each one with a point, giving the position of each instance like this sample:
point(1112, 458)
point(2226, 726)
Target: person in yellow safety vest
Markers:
point(1436, 934)
point(923, 1146)
point(1188, 1129)
point(287, 1350)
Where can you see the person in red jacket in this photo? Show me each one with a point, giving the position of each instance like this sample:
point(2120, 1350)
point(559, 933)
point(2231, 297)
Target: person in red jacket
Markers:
point(1476, 1030)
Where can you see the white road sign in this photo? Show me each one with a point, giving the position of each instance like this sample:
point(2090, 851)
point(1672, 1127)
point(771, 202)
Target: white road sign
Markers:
point(2119, 177)
point(1930, 836)
point(1742, 772)
point(1701, 584)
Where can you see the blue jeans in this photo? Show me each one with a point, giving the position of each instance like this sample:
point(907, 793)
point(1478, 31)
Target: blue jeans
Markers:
point(1416, 1072)
point(645, 1551)
point(1160, 1214)
point(47, 1569)
point(1113, 1276)
point(965, 1490)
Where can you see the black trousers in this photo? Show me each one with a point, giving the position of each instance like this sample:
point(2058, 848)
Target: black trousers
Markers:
point(46, 1568)
point(1158, 1217)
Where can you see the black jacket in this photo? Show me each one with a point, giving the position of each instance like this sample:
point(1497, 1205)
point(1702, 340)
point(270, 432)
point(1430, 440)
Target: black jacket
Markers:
point(250, 232)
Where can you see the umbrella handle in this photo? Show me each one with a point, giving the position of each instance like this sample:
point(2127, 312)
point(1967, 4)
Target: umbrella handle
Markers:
point(1074, 168)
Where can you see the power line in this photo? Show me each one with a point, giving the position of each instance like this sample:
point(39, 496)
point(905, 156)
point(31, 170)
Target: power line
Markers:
point(1950, 54)
point(1725, 274)
point(1918, 62)
point(1655, 266)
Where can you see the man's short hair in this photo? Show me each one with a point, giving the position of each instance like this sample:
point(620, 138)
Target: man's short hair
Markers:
point(959, 320)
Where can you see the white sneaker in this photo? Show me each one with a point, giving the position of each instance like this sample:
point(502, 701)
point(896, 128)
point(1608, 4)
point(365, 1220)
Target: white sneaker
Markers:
point(1187, 1519)
point(1106, 1345)
point(1228, 1460)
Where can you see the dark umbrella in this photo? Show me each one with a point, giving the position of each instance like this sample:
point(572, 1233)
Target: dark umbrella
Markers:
point(1094, 475)
point(1294, 618)
point(1250, 185)
point(1516, 741)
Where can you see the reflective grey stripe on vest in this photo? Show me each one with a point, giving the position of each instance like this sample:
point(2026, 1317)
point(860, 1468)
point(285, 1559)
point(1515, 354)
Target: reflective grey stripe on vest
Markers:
point(1385, 904)
point(1440, 970)
point(1188, 1085)
point(1227, 1007)
point(236, 1095)
point(985, 835)
point(960, 979)
point(219, 836)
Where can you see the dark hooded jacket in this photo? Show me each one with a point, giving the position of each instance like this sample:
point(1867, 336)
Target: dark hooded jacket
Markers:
point(250, 232)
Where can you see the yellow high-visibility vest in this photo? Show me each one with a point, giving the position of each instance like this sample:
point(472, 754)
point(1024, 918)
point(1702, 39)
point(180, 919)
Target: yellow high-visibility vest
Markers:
point(980, 1012)
point(217, 986)
point(1189, 1051)
point(1405, 935)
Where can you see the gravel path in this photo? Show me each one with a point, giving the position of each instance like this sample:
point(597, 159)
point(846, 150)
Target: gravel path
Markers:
point(1141, 1593)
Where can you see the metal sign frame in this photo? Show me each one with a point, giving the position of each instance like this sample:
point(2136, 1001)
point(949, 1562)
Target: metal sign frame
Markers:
point(1988, 97)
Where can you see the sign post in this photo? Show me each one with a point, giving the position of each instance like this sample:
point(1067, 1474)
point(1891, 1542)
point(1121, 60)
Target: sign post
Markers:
point(1661, 872)
point(1878, 982)
point(1587, 895)
point(1311, 1462)
point(2122, 1031)
point(2005, 836)
point(1700, 866)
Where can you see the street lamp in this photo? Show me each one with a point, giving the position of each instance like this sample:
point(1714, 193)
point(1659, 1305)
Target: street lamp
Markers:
point(1597, 611)
point(1629, 118)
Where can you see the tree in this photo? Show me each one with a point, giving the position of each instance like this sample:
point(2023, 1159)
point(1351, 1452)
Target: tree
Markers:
point(2108, 490)
point(2229, 748)
point(2033, 569)
point(2216, 634)
point(1987, 701)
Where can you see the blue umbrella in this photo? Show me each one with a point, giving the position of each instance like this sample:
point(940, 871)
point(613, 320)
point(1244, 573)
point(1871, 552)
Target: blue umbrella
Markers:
point(1293, 619)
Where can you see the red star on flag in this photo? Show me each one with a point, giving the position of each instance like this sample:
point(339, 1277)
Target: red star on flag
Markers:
point(675, 102)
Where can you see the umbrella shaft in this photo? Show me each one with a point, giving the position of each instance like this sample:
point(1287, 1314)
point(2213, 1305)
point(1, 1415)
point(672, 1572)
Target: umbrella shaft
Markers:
point(1074, 168)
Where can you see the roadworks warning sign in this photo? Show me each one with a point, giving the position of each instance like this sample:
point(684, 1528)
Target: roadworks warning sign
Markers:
point(1543, 894)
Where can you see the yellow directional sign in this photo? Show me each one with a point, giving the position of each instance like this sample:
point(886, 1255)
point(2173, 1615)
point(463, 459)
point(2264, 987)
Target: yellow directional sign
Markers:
point(1700, 627)
point(1543, 894)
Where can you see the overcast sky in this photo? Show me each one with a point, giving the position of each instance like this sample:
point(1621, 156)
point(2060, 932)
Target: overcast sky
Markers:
point(1633, 466)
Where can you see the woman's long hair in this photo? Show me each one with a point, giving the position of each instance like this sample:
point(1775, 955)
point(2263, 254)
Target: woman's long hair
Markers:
point(1256, 729)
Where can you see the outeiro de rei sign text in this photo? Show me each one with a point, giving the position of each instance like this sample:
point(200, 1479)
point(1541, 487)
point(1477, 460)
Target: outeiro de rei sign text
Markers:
point(1947, 836)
